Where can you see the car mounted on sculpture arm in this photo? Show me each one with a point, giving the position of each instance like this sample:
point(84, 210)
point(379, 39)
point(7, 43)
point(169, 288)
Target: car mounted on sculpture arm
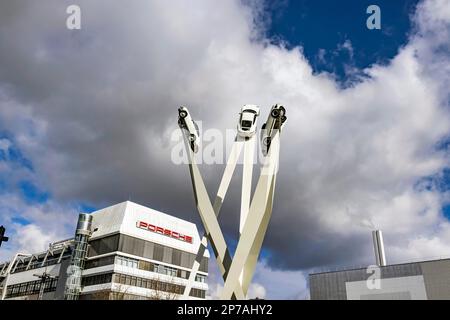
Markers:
point(247, 120)
point(186, 123)
point(275, 121)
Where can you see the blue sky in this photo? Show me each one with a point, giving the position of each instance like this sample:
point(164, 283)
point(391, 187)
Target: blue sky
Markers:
point(324, 24)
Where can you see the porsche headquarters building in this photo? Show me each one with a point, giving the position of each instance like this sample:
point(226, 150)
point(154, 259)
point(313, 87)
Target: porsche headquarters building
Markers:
point(126, 251)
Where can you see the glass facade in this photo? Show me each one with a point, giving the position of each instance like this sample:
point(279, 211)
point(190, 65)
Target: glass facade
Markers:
point(100, 262)
point(96, 279)
point(103, 245)
point(127, 262)
point(200, 278)
point(145, 249)
point(166, 270)
point(30, 288)
point(155, 285)
point(142, 265)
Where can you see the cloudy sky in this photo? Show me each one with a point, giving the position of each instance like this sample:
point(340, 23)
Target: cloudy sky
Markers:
point(86, 118)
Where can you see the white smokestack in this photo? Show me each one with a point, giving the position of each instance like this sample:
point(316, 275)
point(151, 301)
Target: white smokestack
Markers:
point(378, 247)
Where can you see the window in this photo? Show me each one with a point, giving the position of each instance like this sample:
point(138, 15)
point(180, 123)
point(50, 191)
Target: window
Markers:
point(96, 279)
point(149, 250)
point(167, 256)
point(197, 293)
point(103, 245)
point(99, 262)
point(187, 259)
point(131, 245)
point(165, 270)
point(246, 124)
point(30, 287)
point(204, 264)
point(120, 261)
point(158, 252)
point(144, 265)
point(149, 283)
point(23, 288)
point(200, 278)
point(37, 285)
point(127, 262)
point(15, 289)
point(176, 257)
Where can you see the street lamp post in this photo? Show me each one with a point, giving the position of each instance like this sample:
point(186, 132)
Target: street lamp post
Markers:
point(2, 235)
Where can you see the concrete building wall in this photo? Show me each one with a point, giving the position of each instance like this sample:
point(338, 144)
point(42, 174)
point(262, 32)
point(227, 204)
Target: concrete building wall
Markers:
point(420, 280)
point(401, 288)
point(123, 218)
point(437, 279)
point(28, 275)
point(62, 278)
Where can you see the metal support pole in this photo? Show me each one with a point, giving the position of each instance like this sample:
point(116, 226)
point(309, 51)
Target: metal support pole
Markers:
point(223, 188)
point(209, 219)
point(378, 247)
point(249, 244)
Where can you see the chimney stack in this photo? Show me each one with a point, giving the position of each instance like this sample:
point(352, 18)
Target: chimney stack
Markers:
point(378, 247)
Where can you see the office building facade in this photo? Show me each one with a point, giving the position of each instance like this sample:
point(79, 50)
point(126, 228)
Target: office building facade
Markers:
point(133, 252)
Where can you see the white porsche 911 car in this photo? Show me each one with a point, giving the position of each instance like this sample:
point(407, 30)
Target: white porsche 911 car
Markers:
point(247, 120)
point(274, 122)
point(186, 122)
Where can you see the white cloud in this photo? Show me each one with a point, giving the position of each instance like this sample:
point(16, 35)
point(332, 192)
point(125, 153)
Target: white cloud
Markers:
point(41, 224)
point(281, 284)
point(256, 291)
point(214, 291)
point(32, 239)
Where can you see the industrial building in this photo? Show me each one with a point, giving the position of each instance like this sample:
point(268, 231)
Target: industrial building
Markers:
point(425, 280)
point(126, 251)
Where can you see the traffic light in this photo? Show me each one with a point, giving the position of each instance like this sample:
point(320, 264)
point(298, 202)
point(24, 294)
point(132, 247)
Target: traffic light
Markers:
point(2, 235)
